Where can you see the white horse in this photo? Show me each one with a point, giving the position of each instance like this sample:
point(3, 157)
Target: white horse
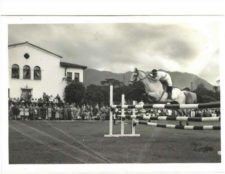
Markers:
point(155, 90)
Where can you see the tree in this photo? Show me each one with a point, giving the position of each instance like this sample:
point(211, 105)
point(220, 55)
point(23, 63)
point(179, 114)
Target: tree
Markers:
point(136, 91)
point(74, 93)
point(114, 82)
point(94, 94)
point(206, 95)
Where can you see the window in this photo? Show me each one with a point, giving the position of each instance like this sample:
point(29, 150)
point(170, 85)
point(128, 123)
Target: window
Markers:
point(76, 77)
point(69, 76)
point(37, 73)
point(26, 72)
point(26, 55)
point(15, 71)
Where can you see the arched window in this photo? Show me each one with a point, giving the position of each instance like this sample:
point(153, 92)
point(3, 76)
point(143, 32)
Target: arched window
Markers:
point(15, 71)
point(37, 73)
point(26, 72)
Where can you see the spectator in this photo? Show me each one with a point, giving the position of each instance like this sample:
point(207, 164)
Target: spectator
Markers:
point(15, 112)
point(60, 112)
point(73, 111)
point(36, 110)
point(65, 112)
point(11, 105)
point(69, 112)
point(44, 112)
point(26, 112)
point(22, 112)
point(57, 114)
point(49, 112)
point(53, 111)
point(198, 113)
point(192, 113)
point(31, 112)
point(78, 112)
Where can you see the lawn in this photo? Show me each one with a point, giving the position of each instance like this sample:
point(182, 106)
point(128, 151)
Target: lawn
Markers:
point(73, 142)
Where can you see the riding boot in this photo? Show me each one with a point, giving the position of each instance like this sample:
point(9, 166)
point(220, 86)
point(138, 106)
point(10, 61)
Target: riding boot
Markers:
point(169, 91)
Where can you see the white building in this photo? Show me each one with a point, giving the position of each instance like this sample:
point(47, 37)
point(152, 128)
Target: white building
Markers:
point(34, 70)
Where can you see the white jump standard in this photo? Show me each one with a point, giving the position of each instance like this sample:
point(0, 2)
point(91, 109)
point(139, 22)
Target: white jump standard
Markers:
point(111, 114)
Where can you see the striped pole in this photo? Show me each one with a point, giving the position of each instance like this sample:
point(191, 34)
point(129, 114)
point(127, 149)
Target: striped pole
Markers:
point(172, 126)
point(181, 118)
point(171, 118)
point(171, 106)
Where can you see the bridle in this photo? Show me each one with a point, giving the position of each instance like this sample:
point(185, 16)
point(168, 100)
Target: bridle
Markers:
point(147, 76)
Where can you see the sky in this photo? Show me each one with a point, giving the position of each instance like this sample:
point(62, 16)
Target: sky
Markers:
point(188, 45)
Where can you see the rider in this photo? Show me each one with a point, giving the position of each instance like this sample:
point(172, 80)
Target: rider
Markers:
point(164, 77)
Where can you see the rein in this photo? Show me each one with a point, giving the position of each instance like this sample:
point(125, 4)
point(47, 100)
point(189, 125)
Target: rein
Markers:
point(161, 96)
point(147, 76)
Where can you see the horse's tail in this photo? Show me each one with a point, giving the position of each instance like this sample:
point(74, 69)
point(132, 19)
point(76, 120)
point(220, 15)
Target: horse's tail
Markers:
point(191, 97)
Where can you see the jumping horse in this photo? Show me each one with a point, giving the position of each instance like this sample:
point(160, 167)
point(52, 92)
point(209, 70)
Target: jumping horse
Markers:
point(155, 90)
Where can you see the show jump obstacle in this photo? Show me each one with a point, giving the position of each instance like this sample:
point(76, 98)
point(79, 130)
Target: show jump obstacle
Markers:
point(111, 115)
point(134, 116)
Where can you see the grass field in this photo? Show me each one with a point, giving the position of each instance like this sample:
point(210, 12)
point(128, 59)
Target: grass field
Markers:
point(70, 142)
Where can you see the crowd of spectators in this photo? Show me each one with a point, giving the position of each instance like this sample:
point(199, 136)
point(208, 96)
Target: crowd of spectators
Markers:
point(184, 112)
point(56, 109)
point(49, 108)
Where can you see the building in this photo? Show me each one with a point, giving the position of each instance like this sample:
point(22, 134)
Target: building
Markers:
point(34, 70)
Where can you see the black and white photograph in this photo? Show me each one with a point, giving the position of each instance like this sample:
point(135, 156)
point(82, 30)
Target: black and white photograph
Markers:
point(117, 92)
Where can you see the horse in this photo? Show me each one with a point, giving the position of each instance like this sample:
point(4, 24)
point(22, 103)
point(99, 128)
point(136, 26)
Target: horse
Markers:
point(156, 91)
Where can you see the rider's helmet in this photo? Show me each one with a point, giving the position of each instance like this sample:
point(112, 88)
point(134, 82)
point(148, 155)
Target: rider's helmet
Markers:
point(154, 72)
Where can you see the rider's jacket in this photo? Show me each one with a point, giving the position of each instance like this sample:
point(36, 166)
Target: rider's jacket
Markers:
point(164, 76)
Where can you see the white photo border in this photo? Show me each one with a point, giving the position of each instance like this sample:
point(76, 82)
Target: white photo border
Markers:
point(92, 168)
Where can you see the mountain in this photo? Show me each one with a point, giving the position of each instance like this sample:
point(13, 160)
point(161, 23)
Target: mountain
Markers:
point(92, 76)
point(180, 79)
